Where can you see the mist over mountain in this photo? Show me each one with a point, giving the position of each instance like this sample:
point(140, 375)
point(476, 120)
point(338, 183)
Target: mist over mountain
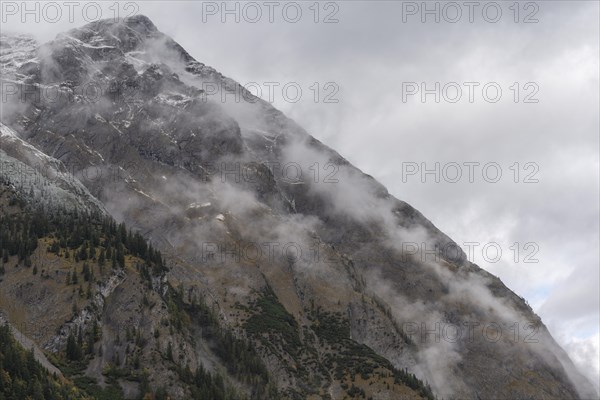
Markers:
point(284, 271)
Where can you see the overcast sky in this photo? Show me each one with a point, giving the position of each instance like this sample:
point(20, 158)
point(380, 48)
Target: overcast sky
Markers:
point(375, 58)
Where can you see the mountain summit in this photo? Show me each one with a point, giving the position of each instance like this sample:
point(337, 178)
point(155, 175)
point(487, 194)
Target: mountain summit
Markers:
point(288, 273)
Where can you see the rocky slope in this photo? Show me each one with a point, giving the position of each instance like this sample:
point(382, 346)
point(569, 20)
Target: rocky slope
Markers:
point(338, 285)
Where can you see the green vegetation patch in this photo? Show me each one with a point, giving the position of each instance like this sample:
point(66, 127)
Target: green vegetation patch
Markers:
point(272, 321)
point(22, 377)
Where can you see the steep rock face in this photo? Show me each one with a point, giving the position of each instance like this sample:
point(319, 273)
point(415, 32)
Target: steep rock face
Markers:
point(45, 178)
point(144, 126)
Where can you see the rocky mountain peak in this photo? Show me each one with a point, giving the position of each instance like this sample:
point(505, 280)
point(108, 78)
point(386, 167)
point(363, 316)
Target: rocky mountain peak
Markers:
point(123, 33)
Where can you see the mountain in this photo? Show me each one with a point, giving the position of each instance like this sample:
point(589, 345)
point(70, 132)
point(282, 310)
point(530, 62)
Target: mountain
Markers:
point(284, 271)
